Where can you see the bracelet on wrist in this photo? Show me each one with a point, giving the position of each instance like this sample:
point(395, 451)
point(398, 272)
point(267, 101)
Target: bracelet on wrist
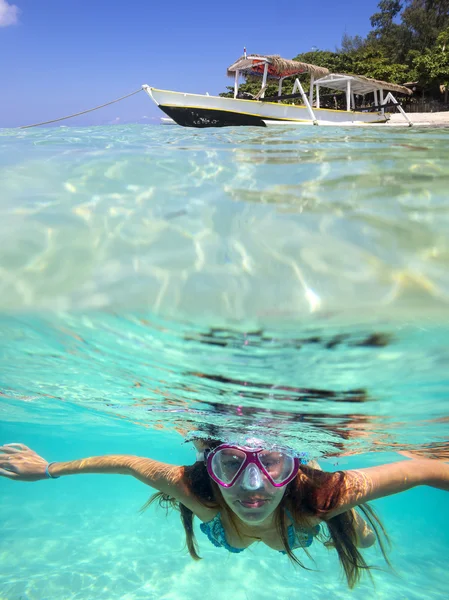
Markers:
point(47, 472)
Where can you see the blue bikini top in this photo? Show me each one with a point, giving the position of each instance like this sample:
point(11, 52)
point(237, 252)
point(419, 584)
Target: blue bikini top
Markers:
point(297, 537)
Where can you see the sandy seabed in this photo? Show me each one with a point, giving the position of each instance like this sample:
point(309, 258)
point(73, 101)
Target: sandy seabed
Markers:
point(73, 552)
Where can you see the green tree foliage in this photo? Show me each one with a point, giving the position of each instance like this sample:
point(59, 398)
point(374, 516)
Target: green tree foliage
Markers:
point(351, 44)
point(413, 48)
point(368, 60)
point(425, 20)
point(383, 21)
point(252, 87)
point(409, 41)
point(373, 62)
point(336, 62)
point(432, 65)
point(389, 38)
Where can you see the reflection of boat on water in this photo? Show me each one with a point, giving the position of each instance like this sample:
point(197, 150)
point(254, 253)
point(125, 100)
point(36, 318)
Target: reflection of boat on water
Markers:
point(202, 110)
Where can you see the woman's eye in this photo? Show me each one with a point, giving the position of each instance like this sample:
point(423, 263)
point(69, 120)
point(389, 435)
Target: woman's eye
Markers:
point(232, 464)
point(271, 464)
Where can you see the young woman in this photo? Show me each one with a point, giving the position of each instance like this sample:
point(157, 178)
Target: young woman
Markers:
point(247, 493)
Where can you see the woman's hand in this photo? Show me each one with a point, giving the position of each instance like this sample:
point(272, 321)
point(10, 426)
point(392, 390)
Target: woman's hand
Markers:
point(19, 462)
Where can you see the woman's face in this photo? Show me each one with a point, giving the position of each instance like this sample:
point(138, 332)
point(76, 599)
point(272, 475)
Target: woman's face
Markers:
point(253, 506)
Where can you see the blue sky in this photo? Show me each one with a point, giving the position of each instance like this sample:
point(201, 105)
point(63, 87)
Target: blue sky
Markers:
point(62, 56)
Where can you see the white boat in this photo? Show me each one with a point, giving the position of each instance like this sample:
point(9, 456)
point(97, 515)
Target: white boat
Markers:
point(202, 110)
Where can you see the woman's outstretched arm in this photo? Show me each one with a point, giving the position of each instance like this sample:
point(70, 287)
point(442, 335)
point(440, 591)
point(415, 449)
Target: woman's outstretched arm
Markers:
point(20, 463)
point(363, 485)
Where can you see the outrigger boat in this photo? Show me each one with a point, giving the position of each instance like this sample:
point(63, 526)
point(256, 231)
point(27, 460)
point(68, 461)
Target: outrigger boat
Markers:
point(202, 110)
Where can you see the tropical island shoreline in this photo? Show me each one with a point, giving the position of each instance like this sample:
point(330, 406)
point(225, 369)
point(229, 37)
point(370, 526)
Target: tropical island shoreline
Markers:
point(435, 118)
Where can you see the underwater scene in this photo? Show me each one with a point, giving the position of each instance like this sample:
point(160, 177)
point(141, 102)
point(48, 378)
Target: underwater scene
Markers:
point(165, 291)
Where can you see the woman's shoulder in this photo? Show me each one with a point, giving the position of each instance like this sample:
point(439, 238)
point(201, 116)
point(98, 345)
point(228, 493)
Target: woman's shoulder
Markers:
point(196, 505)
point(205, 510)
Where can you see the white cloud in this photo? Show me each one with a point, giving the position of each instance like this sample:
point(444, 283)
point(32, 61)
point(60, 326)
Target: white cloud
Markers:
point(9, 14)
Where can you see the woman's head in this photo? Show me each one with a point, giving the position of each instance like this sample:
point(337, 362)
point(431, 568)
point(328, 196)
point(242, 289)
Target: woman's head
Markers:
point(249, 478)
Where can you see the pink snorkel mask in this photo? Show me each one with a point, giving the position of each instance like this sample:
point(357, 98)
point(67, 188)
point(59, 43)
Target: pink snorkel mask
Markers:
point(226, 463)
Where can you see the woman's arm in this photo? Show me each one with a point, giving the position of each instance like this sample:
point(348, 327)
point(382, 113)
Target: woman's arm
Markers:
point(20, 463)
point(365, 536)
point(364, 485)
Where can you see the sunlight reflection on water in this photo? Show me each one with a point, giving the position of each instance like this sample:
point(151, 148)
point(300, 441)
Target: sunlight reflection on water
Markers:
point(236, 223)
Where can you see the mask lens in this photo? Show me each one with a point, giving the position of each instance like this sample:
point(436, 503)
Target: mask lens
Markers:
point(278, 465)
point(227, 463)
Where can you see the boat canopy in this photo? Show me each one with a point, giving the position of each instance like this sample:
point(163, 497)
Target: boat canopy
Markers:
point(359, 84)
point(274, 66)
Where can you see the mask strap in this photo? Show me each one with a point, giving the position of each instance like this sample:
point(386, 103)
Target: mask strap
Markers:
point(201, 455)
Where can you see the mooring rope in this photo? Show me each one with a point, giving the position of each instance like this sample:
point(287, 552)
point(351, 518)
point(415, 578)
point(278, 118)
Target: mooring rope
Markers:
point(80, 113)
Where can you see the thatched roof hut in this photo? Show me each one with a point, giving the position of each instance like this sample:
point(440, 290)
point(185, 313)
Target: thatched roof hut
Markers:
point(360, 84)
point(254, 64)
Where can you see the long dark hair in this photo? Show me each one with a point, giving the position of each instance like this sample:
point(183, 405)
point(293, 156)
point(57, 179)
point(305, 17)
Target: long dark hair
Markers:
point(311, 494)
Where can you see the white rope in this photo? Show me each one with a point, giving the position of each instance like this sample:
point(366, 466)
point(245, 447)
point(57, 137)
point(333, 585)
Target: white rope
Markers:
point(80, 113)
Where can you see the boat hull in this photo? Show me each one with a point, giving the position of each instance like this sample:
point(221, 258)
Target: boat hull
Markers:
point(197, 110)
point(206, 117)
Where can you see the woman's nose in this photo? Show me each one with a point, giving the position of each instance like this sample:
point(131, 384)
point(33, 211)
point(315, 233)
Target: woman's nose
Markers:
point(252, 478)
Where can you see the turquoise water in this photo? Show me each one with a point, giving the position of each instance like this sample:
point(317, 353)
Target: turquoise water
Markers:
point(159, 283)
